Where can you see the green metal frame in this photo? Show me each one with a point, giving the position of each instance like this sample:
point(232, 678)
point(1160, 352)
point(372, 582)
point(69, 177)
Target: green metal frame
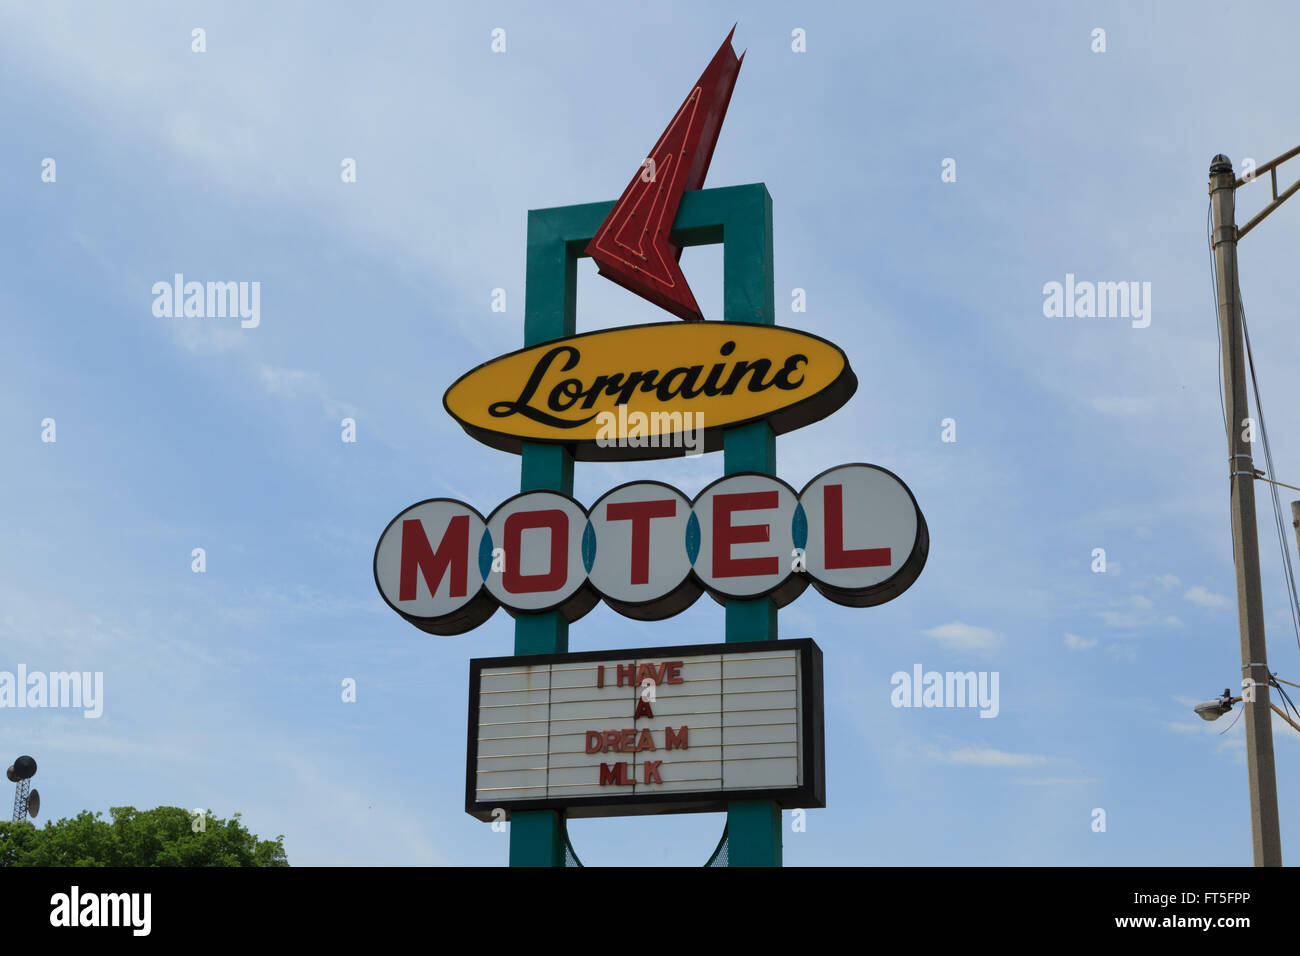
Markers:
point(739, 217)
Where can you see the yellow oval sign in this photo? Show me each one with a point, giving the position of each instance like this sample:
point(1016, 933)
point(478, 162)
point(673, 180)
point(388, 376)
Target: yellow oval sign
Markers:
point(652, 391)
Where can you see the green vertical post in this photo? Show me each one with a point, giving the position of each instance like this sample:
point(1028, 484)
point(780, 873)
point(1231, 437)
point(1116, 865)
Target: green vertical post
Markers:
point(748, 292)
point(537, 837)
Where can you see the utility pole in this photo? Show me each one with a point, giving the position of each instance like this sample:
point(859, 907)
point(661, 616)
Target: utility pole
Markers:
point(1265, 835)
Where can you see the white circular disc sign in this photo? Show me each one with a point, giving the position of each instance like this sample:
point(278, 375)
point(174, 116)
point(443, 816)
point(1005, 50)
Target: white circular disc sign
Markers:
point(536, 542)
point(746, 541)
point(640, 541)
point(867, 540)
point(427, 570)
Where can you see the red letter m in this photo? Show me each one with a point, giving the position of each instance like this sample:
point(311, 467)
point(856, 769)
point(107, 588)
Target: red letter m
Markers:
point(453, 552)
point(615, 774)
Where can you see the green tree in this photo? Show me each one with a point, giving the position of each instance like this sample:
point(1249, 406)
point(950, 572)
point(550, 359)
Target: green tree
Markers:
point(161, 837)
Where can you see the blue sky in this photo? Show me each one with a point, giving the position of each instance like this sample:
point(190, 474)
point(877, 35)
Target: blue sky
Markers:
point(222, 689)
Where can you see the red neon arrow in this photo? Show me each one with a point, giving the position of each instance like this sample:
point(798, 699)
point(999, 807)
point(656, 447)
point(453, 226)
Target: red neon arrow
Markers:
point(632, 246)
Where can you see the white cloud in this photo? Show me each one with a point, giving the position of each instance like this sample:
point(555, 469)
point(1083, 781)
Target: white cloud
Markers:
point(284, 381)
point(965, 637)
point(989, 757)
point(1120, 619)
point(1204, 598)
point(294, 383)
point(1076, 643)
point(1227, 734)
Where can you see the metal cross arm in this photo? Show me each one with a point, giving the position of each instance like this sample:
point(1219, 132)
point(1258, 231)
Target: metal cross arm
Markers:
point(1271, 168)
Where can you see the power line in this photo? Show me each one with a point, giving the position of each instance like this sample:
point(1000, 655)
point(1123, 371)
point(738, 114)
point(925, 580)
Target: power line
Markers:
point(1288, 571)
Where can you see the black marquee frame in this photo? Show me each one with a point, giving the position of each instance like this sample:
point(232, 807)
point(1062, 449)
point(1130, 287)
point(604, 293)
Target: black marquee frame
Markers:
point(810, 795)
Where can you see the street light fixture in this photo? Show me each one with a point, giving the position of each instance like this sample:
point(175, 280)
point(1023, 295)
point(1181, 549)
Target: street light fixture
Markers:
point(1214, 709)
